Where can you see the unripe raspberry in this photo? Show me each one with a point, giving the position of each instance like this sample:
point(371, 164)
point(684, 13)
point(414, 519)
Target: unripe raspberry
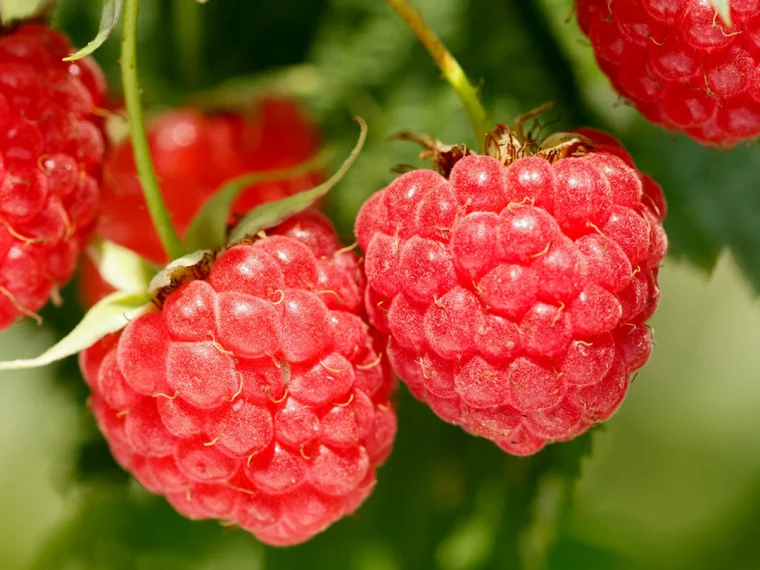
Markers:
point(194, 154)
point(517, 308)
point(680, 64)
point(51, 152)
point(253, 395)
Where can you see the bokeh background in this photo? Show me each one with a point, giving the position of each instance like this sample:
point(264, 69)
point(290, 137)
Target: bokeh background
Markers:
point(672, 481)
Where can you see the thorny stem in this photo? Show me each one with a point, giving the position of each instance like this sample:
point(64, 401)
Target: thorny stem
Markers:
point(147, 174)
point(449, 66)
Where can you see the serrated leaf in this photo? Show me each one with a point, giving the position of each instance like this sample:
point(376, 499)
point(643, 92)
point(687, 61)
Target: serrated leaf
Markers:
point(209, 226)
point(176, 269)
point(271, 214)
point(12, 10)
point(724, 10)
point(109, 315)
point(109, 17)
point(121, 268)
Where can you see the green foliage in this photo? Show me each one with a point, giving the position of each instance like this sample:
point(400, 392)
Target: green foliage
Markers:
point(119, 527)
point(108, 20)
point(13, 10)
point(109, 315)
point(208, 229)
point(121, 268)
point(273, 213)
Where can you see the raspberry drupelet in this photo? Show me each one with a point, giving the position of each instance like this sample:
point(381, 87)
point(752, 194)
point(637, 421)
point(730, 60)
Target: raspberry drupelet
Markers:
point(51, 153)
point(515, 297)
point(680, 64)
point(256, 395)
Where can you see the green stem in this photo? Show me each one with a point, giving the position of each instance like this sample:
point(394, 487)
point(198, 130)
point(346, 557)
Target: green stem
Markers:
point(449, 66)
point(145, 171)
point(188, 31)
point(538, 539)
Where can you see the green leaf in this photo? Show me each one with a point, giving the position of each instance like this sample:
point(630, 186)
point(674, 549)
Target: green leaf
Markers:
point(109, 17)
point(111, 314)
point(176, 270)
point(121, 527)
point(121, 268)
point(268, 215)
point(209, 226)
point(297, 81)
point(553, 485)
point(12, 10)
point(724, 10)
point(713, 203)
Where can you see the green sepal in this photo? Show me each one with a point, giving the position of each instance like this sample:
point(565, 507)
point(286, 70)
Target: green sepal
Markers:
point(109, 17)
point(271, 214)
point(109, 315)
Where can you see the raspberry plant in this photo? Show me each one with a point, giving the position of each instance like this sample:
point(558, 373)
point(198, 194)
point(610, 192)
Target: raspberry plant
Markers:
point(534, 252)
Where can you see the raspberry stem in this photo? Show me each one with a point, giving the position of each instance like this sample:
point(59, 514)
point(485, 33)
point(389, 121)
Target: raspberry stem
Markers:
point(449, 66)
point(146, 173)
point(188, 38)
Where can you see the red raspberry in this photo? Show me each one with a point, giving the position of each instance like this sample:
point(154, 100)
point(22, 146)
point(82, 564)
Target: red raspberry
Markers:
point(193, 155)
point(679, 63)
point(255, 395)
point(516, 298)
point(51, 150)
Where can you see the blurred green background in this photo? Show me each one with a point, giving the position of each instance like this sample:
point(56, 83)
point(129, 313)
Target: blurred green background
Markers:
point(673, 481)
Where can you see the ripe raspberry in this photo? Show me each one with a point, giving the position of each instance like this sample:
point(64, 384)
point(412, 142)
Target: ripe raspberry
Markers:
point(516, 297)
point(679, 63)
point(51, 150)
point(194, 154)
point(255, 395)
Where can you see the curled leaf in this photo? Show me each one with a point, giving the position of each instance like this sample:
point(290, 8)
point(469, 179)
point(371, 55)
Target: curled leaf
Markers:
point(109, 17)
point(209, 226)
point(109, 315)
point(271, 214)
point(121, 268)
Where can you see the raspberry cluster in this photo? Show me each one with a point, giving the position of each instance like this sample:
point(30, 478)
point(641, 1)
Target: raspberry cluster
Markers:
point(680, 64)
point(516, 297)
point(256, 395)
point(51, 153)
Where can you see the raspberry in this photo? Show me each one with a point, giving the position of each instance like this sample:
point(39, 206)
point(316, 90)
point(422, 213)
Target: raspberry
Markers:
point(255, 395)
point(516, 297)
point(193, 155)
point(51, 153)
point(680, 64)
